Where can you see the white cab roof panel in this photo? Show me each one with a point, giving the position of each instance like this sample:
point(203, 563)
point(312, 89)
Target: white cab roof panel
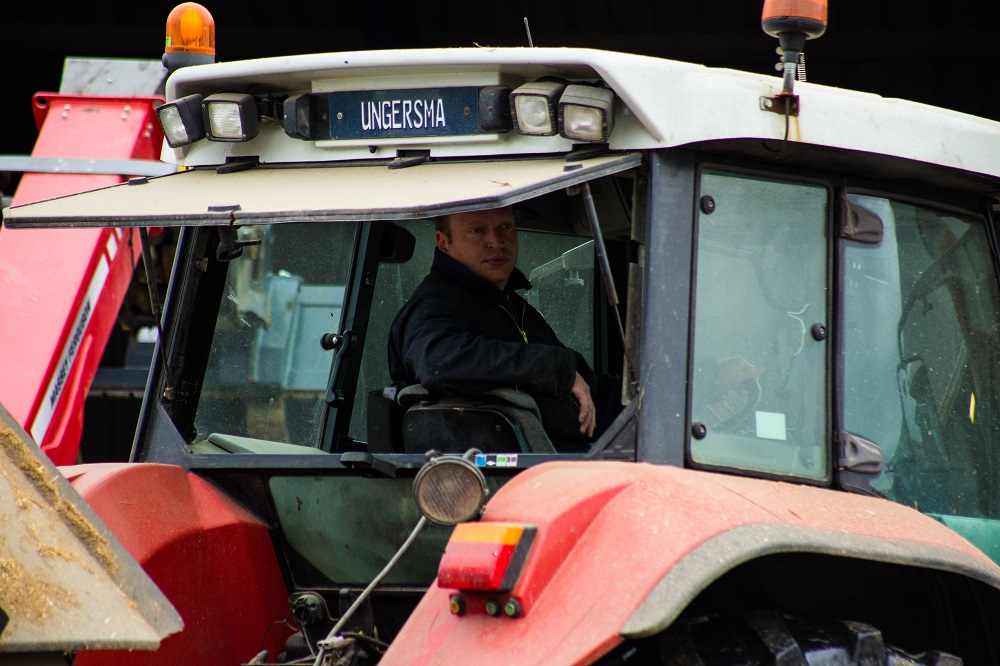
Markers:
point(662, 104)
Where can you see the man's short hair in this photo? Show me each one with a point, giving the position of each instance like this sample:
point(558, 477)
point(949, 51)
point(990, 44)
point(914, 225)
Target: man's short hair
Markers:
point(441, 223)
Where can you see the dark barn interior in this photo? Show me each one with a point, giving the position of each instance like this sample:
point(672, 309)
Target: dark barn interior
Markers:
point(938, 53)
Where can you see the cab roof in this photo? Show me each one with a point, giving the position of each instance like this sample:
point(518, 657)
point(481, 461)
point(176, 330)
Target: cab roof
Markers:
point(658, 104)
point(663, 103)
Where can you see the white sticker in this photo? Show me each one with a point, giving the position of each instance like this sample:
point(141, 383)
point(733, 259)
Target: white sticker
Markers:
point(771, 425)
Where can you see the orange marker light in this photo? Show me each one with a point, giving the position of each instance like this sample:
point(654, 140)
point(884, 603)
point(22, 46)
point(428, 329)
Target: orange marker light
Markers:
point(808, 17)
point(793, 22)
point(190, 29)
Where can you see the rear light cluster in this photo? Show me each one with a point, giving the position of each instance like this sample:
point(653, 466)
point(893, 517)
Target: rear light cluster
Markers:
point(486, 558)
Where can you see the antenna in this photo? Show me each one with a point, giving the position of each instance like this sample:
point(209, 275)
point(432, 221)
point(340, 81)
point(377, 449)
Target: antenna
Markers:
point(527, 29)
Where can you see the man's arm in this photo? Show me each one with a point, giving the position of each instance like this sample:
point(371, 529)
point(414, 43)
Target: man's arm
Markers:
point(588, 413)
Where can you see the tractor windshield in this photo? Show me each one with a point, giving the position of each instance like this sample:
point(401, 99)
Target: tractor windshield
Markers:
point(272, 386)
point(267, 374)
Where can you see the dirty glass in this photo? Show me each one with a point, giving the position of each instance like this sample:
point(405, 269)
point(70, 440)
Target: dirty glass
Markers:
point(560, 268)
point(758, 389)
point(267, 374)
point(320, 519)
point(921, 365)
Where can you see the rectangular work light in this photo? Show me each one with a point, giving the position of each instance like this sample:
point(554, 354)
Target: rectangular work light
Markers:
point(586, 113)
point(534, 107)
point(182, 121)
point(231, 117)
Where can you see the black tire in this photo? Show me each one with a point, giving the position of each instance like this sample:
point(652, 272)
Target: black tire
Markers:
point(764, 638)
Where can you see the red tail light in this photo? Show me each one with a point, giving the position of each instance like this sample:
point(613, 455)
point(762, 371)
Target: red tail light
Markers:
point(485, 557)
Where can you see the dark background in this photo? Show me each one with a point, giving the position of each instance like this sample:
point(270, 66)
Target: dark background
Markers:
point(941, 53)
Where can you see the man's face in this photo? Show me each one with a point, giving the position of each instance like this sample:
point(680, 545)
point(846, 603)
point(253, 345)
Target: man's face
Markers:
point(485, 242)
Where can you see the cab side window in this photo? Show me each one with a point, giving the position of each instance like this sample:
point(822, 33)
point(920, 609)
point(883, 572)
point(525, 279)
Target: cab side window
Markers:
point(922, 312)
point(758, 386)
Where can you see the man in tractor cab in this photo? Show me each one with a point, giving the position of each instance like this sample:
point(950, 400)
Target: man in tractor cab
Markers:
point(466, 330)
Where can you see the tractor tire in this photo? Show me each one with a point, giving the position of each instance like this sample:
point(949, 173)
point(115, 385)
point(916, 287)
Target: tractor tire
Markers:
point(765, 638)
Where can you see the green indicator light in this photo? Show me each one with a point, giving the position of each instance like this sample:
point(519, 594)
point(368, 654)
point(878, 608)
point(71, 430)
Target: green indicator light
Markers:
point(512, 608)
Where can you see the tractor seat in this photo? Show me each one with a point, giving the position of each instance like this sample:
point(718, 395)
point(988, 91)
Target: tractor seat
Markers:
point(501, 420)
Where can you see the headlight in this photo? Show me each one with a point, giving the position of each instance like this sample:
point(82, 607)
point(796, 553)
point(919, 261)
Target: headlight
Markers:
point(586, 113)
point(231, 117)
point(534, 107)
point(181, 121)
point(449, 490)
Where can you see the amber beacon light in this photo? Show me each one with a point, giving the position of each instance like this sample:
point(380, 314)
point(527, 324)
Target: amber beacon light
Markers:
point(793, 22)
point(190, 37)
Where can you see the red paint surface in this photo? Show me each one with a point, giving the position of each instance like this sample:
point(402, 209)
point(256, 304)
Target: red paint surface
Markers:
point(607, 533)
point(44, 273)
point(211, 558)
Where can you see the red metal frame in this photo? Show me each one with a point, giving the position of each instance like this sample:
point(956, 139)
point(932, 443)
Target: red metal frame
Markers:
point(61, 290)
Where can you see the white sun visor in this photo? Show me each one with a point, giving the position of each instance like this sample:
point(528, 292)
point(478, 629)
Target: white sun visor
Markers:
point(269, 193)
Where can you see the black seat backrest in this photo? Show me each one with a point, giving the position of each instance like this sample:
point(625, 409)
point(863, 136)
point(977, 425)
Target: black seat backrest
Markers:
point(499, 421)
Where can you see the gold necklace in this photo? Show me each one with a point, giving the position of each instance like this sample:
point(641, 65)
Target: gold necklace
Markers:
point(520, 329)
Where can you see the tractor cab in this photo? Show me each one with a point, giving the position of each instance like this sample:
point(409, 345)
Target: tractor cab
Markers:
point(796, 295)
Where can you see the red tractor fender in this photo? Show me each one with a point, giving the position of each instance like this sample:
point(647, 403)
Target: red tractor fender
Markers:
point(209, 556)
point(622, 548)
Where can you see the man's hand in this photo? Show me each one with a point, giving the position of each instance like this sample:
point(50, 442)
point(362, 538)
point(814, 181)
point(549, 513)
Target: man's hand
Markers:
point(588, 413)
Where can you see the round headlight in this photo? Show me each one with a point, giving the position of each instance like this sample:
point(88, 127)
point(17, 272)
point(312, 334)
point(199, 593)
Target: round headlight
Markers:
point(450, 490)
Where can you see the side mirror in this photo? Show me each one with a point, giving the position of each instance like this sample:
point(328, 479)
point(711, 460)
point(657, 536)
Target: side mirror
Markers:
point(396, 246)
point(860, 224)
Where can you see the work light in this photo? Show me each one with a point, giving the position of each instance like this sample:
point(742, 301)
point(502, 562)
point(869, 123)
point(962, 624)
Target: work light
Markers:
point(230, 117)
point(586, 113)
point(181, 121)
point(534, 107)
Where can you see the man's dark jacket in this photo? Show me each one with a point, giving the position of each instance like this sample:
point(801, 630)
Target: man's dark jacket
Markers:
point(459, 334)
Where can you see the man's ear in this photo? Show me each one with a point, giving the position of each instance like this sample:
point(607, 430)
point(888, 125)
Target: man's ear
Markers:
point(442, 241)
